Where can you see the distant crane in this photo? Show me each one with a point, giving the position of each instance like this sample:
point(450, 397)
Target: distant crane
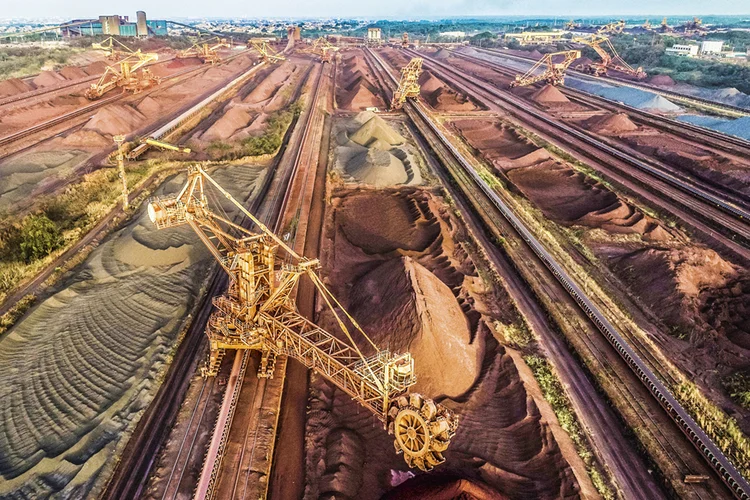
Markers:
point(259, 313)
point(122, 154)
point(694, 26)
point(265, 50)
point(610, 59)
point(554, 73)
point(208, 51)
point(616, 27)
point(408, 86)
point(125, 74)
point(324, 47)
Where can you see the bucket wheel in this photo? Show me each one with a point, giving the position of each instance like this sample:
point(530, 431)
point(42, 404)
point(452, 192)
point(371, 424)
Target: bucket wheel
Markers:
point(422, 430)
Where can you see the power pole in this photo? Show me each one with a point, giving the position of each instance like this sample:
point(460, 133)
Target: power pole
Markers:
point(119, 139)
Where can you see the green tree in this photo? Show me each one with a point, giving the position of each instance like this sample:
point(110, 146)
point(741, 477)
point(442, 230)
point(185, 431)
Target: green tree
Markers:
point(39, 237)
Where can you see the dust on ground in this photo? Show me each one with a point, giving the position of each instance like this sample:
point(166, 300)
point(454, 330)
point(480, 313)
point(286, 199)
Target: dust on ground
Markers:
point(25, 175)
point(395, 260)
point(81, 366)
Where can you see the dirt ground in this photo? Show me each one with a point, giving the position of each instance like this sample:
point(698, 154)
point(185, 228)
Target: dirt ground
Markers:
point(681, 154)
point(247, 116)
point(395, 259)
point(83, 363)
point(35, 170)
point(562, 193)
point(699, 297)
point(25, 175)
point(91, 63)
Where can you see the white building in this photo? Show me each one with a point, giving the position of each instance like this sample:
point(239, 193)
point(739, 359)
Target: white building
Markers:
point(711, 47)
point(453, 34)
point(683, 50)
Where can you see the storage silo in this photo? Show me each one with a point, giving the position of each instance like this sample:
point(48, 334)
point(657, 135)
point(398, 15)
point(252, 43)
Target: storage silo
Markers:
point(141, 26)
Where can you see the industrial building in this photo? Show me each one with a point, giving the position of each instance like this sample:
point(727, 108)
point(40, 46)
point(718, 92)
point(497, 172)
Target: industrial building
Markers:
point(373, 34)
point(711, 47)
point(116, 25)
point(688, 50)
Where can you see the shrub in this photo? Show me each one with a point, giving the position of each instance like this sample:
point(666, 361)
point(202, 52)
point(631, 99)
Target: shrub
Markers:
point(39, 237)
point(738, 387)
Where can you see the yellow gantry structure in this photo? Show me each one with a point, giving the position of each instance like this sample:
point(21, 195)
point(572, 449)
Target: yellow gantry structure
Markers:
point(325, 48)
point(610, 59)
point(408, 86)
point(258, 312)
point(126, 75)
point(616, 27)
point(555, 65)
point(206, 51)
point(265, 50)
point(112, 47)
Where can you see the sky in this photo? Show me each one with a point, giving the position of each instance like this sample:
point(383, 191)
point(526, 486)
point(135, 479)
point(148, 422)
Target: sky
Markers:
point(414, 9)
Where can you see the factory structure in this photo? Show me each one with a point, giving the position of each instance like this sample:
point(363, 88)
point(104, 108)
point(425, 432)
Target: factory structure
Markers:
point(116, 25)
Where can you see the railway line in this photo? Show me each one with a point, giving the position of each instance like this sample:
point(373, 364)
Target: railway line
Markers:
point(137, 460)
point(701, 209)
point(650, 381)
point(634, 480)
point(245, 386)
point(715, 106)
point(709, 138)
point(234, 478)
point(84, 110)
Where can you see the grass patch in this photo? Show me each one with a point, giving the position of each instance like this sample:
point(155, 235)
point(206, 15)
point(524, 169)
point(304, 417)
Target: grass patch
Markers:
point(722, 428)
point(738, 387)
point(554, 393)
point(14, 314)
point(19, 62)
point(515, 334)
point(30, 243)
point(267, 143)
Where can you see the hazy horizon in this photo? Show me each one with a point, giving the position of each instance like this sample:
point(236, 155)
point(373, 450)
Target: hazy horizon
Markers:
point(382, 9)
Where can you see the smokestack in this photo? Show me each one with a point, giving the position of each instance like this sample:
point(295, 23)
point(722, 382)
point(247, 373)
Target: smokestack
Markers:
point(140, 26)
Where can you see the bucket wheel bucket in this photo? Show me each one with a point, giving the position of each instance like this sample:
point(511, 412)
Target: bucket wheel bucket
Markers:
point(422, 430)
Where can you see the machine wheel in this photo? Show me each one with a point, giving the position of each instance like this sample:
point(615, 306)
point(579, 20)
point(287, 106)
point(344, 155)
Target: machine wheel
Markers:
point(422, 430)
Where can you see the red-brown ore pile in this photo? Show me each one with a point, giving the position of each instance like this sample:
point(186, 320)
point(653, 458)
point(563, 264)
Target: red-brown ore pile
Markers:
point(394, 258)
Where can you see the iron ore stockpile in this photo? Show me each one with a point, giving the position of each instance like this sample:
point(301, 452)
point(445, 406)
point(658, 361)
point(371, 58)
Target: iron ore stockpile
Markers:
point(403, 263)
point(544, 319)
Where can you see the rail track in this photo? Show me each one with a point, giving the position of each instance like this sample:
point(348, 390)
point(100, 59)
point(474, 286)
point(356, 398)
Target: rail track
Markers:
point(238, 474)
point(21, 134)
point(707, 137)
point(705, 446)
point(136, 462)
point(703, 210)
point(728, 109)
